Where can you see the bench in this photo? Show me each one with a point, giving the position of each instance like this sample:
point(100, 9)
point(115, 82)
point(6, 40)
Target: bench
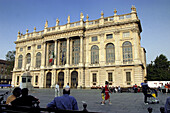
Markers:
point(4, 108)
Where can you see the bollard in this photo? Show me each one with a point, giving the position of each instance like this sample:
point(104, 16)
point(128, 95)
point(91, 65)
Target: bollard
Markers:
point(149, 109)
point(162, 109)
point(84, 106)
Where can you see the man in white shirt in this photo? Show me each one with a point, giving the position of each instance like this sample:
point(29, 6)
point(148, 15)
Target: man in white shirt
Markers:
point(57, 90)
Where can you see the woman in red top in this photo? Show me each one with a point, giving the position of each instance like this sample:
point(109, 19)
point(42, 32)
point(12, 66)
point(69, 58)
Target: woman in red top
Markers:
point(107, 96)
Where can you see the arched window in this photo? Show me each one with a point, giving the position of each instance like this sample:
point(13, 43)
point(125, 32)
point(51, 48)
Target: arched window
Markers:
point(94, 54)
point(110, 53)
point(38, 59)
point(127, 52)
point(20, 61)
point(28, 58)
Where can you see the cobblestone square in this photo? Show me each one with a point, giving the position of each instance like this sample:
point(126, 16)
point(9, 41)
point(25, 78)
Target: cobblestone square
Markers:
point(121, 102)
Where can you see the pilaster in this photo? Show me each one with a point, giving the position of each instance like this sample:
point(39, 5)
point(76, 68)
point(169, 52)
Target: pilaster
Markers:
point(102, 51)
point(32, 57)
point(68, 55)
point(24, 58)
point(135, 33)
point(55, 52)
point(43, 55)
point(117, 48)
point(81, 51)
point(42, 79)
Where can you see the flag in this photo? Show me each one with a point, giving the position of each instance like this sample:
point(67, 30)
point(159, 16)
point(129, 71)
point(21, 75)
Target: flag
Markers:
point(51, 57)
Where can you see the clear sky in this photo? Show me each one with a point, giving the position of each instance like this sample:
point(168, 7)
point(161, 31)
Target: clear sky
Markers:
point(19, 15)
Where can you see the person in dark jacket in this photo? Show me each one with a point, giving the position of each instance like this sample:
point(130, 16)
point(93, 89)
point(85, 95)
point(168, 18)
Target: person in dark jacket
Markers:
point(65, 102)
point(25, 99)
point(145, 88)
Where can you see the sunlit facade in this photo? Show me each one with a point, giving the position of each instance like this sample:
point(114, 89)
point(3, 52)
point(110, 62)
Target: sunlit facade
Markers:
point(84, 53)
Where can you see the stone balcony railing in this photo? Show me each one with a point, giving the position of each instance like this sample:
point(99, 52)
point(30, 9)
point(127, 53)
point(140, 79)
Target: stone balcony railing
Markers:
point(86, 24)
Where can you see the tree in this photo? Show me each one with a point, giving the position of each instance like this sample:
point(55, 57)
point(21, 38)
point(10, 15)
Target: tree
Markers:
point(159, 70)
point(10, 57)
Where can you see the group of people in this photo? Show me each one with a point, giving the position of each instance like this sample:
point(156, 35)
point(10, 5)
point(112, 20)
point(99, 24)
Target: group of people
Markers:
point(20, 97)
point(164, 88)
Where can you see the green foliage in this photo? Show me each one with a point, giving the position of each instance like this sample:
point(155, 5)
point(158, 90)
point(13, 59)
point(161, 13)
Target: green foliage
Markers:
point(10, 57)
point(159, 70)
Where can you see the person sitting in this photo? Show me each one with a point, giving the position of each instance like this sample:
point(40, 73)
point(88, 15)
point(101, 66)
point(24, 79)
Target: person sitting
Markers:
point(65, 102)
point(15, 94)
point(25, 99)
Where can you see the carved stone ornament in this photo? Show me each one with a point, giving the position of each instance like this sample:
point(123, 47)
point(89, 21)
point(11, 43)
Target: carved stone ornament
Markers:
point(57, 22)
point(46, 24)
point(115, 11)
point(135, 29)
point(116, 32)
point(81, 16)
point(34, 28)
point(68, 19)
point(102, 14)
point(87, 18)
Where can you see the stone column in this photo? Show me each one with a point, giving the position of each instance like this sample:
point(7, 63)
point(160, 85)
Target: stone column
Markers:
point(47, 55)
point(16, 59)
point(24, 58)
point(68, 55)
point(58, 56)
point(55, 53)
point(81, 78)
point(43, 55)
point(33, 61)
point(102, 51)
point(66, 76)
point(81, 51)
point(71, 51)
point(135, 32)
point(13, 79)
point(53, 80)
point(87, 52)
point(117, 48)
point(42, 79)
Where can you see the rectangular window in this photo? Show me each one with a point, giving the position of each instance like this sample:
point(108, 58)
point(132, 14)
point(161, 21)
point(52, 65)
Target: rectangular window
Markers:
point(94, 77)
point(94, 38)
point(126, 34)
point(17, 80)
point(109, 36)
point(36, 80)
point(128, 76)
point(21, 49)
point(29, 47)
point(38, 46)
point(110, 77)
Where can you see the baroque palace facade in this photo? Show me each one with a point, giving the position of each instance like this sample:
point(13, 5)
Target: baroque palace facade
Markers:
point(83, 53)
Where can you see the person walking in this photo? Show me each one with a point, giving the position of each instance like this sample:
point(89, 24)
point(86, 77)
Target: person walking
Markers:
point(65, 102)
point(103, 94)
point(145, 88)
point(107, 96)
point(57, 90)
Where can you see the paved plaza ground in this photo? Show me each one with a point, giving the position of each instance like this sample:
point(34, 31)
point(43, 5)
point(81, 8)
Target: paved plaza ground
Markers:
point(121, 102)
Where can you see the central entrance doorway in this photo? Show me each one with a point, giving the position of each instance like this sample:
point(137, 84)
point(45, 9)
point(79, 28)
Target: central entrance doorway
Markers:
point(74, 79)
point(48, 80)
point(61, 79)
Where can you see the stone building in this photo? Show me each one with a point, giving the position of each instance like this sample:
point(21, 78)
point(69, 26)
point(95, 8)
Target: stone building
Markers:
point(5, 77)
point(83, 53)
